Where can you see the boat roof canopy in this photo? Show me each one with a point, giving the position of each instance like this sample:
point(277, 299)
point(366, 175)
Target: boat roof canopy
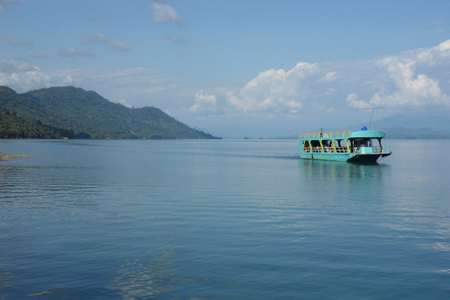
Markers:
point(343, 134)
point(368, 134)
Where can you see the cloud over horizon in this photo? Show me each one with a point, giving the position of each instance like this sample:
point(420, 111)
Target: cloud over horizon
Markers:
point(415, 79)
point(117, 86)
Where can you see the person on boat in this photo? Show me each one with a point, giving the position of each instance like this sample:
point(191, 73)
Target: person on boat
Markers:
point(321, 132)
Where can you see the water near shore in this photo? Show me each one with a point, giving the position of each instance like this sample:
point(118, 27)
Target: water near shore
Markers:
point(221, 219)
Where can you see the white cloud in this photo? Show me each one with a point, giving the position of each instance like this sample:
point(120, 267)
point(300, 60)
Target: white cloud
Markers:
point(329, 91)
point(96, 38)
point(204, 103)
point(20, 74)
point(330, 76)
point(164, 13)
point(13, 42)
point(71, 52)
point(353, 102)
point(413, 79)
point(410, 90)
point(276, 91)
point(37, 55)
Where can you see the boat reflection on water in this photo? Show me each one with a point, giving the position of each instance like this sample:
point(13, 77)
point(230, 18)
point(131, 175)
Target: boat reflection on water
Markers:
point(334, 169)
point(341, 180)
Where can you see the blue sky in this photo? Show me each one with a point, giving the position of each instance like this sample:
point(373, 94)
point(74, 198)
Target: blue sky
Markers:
point(237, 68)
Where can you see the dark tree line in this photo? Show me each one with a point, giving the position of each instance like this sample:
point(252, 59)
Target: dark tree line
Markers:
point(12, 127)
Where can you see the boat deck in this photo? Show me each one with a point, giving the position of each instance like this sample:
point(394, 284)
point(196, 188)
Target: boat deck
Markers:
point(326, 134)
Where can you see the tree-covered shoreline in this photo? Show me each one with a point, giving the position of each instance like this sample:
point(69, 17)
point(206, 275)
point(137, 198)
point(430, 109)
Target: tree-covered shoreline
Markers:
point(13, 127)
point(69, 112)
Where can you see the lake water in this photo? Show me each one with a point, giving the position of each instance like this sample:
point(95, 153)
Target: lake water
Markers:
point(221, 219)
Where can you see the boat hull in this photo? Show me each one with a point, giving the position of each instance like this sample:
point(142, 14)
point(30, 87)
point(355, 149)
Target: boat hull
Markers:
point(347, 157)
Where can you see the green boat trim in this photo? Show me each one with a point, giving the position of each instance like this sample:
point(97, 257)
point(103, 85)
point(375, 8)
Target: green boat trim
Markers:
point(358, 146)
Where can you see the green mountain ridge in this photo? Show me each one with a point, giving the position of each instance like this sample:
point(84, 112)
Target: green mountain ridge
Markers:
point(86, 114)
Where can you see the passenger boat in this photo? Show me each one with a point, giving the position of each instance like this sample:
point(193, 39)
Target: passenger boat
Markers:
point(357, 146)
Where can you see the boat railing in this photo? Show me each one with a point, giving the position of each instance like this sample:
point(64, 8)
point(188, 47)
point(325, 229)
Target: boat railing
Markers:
point(384, 149)
point(387, 149)
point(325, 150)
point(376, 149)
point(341, 149)
point(325, 134)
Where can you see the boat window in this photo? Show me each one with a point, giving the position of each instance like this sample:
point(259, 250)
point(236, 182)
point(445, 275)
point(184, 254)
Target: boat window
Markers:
point(363, 143)
point(341, 146)
point(315, 144)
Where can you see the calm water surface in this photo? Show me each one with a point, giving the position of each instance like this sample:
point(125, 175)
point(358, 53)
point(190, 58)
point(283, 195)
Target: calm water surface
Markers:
point(223, 219)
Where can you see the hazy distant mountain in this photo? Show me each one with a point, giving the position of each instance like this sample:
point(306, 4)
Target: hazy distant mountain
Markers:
point(402, 127)
point(87, 114)
point(415, 133)
point(439, 122)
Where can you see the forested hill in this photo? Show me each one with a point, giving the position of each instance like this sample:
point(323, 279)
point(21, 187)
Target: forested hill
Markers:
point(13, 127)
point(87, 114)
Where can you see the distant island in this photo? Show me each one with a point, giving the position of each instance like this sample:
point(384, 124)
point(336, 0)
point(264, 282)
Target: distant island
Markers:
point(69, 112)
